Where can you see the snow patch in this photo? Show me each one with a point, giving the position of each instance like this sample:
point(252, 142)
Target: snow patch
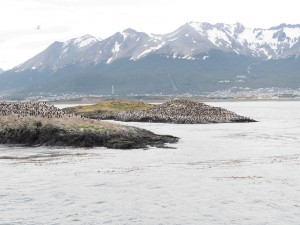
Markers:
point(125, 35)
point(116, 48)
point(256, 39)
point(115, 52)
point(65, 44)
point(216, 35)
point(197, 26)
point(173, 34)
point(151, 49)
point(224, 81)
point(109, 60)
point(85, 41)
point(65, 50)
point(205, 57)
point(173, 39)
point(293, 33)
point(265, 52)
point(236, 51)
point(188, 57)
point(155, 37)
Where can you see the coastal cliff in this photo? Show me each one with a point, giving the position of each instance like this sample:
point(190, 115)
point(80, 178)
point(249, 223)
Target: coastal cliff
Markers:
point(40, 124)
point(176, 111)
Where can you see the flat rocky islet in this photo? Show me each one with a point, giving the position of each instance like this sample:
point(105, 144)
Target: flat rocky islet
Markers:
point(41, 124)
point(175, 111)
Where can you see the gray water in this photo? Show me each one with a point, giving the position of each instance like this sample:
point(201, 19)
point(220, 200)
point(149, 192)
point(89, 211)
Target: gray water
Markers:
point(218, 174)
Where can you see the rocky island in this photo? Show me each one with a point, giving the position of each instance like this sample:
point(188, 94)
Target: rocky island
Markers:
point(175, 111)
point(42, 124)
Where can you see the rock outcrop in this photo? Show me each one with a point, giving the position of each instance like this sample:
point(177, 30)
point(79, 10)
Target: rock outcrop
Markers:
point(38, 124)
point(176, 111)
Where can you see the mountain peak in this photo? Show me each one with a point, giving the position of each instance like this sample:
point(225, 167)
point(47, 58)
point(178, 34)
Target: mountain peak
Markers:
point(199, 26)
point(82, 41)
point(204, 26)
point(130, 31)
point(238, 27)
point(85, 40)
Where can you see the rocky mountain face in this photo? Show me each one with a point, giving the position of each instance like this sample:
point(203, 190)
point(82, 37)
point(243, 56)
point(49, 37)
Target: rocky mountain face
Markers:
point(196, 57)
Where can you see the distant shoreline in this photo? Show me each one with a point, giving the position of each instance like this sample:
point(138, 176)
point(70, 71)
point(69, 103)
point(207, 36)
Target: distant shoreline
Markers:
point(86, 101)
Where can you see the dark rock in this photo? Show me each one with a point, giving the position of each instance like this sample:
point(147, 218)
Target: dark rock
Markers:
point(50, 135)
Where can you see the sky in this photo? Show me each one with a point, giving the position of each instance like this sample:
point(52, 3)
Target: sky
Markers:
point(60, 20)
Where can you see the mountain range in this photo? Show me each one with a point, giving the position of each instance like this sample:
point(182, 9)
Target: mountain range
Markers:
point(195, 58)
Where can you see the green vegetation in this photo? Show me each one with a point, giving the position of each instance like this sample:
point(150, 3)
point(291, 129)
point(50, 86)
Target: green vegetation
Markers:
point(111, 106)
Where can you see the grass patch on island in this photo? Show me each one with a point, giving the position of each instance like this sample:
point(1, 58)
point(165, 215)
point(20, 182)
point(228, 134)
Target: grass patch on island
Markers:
point(111, 106)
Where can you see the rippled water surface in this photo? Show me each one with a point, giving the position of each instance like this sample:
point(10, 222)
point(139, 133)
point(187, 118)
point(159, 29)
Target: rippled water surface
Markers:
point(218, 174)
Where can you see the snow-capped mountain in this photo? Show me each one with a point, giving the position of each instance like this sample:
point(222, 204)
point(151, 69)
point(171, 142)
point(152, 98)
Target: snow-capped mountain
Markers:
point(60, 54)
point(186, 42)
point(193, 38)
point(87, 50)
point(194, 57)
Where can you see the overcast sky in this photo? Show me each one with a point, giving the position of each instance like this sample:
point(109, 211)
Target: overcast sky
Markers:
point(64, 19)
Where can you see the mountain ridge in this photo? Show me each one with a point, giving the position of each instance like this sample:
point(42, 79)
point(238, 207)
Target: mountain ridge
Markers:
point(185, 42)
point(196, 57)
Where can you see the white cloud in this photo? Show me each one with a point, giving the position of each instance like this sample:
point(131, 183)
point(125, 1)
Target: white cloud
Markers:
point(64, 19)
